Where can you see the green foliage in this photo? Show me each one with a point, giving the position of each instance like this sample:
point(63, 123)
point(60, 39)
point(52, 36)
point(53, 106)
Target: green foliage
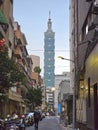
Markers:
point(34, 95)
point(3, 98)
point(10, 72)
point(37, 69)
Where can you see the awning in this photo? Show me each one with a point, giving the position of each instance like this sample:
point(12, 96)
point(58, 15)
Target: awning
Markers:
point(2, 18)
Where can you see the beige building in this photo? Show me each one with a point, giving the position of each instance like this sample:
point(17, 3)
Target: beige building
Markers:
point(36, 76)
point(36, 61)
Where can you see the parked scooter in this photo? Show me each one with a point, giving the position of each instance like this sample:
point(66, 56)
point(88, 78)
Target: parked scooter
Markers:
point(1, 124)
point(11, 125)
point(21, 123)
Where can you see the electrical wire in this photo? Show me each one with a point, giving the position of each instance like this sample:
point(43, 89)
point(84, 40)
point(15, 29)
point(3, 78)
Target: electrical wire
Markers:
point(51, 50)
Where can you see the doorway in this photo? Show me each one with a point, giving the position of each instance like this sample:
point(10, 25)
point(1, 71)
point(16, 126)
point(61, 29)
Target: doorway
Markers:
point(96, 106)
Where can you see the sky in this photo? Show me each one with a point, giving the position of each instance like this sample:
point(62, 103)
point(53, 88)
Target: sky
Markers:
point(32, 16)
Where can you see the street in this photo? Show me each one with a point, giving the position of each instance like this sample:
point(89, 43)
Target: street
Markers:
point(48, 123)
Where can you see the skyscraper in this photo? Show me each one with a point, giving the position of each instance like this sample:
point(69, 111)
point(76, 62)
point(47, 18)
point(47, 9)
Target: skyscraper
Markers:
point(49, 55)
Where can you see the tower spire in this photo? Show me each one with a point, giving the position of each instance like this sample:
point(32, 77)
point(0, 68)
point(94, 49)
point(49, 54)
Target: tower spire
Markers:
point(49, 22)
point(49, 14)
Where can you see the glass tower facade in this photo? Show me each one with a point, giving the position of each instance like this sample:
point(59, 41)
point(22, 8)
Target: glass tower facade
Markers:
point(49, 55)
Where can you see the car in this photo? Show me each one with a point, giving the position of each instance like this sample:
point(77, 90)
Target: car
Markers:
point(29, 120)
point(47, 114)
point(30, 114)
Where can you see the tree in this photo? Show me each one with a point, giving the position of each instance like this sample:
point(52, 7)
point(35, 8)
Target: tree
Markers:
point(37, 69)
point(10, 72)
point(34, 97)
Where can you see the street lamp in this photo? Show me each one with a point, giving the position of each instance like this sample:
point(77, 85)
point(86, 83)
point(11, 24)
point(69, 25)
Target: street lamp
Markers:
point(61, 57)
point(53, 89)
point(74, 92)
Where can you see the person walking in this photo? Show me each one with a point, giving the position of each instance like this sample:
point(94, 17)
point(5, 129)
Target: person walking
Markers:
point(36, 119)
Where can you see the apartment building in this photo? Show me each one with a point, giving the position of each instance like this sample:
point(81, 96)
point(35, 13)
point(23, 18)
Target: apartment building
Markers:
point(16, 42)
point(6, 33)
point(49, 95)
point(84, 43)
point(24, 61)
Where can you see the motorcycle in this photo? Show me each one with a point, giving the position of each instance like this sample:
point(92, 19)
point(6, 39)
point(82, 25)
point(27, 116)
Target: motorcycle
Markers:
point(1, 124)
point(11, 125)
point(20, 124)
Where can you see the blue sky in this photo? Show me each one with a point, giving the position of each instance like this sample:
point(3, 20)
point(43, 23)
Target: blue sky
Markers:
point(32, 16)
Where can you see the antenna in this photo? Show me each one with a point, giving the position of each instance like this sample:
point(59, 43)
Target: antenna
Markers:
point(49, 14)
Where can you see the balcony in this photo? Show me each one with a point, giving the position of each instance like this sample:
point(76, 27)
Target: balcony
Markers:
point(15, 96)
point(18, 53)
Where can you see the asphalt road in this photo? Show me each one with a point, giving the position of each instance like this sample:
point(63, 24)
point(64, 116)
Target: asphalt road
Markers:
point(48, 123)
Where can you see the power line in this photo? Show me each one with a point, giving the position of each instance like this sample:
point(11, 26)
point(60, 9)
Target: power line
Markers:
point(50, 50)
point(60, 66)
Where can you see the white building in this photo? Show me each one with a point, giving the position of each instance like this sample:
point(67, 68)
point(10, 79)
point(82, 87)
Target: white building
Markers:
point(58, 80)
point(49, 99)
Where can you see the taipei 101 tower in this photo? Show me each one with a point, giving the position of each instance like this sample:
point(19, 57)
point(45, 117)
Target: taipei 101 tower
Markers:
point(49, 55)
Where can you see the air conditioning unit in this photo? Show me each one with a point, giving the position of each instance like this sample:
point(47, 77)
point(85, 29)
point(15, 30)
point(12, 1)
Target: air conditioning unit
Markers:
point(95, 7)
point(96, 31)
point(92, 32)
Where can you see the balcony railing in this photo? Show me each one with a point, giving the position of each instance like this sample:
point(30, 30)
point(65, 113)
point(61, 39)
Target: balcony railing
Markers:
point(18, 53)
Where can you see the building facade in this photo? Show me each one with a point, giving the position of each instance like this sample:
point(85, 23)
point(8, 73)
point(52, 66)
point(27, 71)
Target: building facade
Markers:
point(16, 42)
point(84, 37)
point(49, 55)
point(58, 79)
point(65, 99)
point(49, 99)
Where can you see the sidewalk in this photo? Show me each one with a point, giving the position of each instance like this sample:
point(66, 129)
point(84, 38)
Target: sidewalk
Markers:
point(69, 127)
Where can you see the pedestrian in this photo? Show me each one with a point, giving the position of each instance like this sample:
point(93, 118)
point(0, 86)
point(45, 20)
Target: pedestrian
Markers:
point(36, 119)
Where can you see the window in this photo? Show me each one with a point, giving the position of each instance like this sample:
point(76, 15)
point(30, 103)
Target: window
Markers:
point(88, 22)
point(49, 52)
point(86, 28)
point(49, 59)
point(49, 45)
point(83, 32)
